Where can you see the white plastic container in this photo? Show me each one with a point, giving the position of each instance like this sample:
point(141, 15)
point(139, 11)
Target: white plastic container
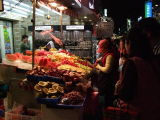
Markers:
point(12, 115)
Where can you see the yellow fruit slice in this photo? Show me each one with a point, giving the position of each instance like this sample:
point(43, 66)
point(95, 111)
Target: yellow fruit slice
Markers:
point(54, 87)
point(41, 83)
point(60, 89)
point(53, 97)
point(45, 90)
point(37, 88)
point(51, 90)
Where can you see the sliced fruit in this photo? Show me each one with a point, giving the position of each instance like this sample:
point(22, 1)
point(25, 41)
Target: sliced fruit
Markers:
point(53, 96)
point(60, 89)
point(45, 90)
point(55, 84)
point(54, 87)
point(37, 88)
point(51, 90)
point(41, 83)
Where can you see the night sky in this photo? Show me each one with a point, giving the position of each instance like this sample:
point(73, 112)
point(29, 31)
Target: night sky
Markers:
point(120, 10)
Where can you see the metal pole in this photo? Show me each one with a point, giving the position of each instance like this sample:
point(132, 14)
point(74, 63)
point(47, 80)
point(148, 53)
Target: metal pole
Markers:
point(33, 33)
point(61, 18)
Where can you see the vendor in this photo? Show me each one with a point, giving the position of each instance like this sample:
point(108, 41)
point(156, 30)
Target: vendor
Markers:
point(24, 44)
point(54, 41)
point(107, 66)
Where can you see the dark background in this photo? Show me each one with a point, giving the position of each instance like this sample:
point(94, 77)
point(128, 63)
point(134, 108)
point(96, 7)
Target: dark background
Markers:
point(120, 10)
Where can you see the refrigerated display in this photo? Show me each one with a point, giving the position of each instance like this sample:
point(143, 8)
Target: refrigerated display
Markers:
point(6, 38)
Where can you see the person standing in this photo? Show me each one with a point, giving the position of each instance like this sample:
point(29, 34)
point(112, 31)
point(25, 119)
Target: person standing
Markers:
point(139, 84)
point(107, 66)
point(24, 44)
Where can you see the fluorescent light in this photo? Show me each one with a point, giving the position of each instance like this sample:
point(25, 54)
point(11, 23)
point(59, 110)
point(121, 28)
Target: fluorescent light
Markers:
point(41, 11)
point(54, 4)
point(8, 6)
point(14, 13)
point(24, 5)
point(48, 8)
point(39, 14)
point(62, 8)
point(14, 9)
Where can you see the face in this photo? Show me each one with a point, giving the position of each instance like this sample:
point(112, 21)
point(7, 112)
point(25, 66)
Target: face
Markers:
point(25, 39)
point(128, 47)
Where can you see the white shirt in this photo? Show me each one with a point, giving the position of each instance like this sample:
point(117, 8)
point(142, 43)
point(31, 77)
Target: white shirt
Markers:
point(51, 44)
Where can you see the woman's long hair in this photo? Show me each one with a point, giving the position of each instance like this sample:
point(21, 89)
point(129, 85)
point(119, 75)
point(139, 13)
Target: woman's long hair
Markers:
point(140, 44)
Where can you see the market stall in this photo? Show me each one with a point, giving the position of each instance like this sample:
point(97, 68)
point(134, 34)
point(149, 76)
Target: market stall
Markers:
point(58, 79)
point(54, 79)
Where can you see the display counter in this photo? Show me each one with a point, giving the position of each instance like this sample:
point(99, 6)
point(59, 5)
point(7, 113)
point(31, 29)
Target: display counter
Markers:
point(61, 114)
point(18, 63)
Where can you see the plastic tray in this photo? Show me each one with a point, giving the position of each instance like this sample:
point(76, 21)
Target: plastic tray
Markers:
point(48, 100)
point(44, 78)
point(12, 115)
point(72, 106)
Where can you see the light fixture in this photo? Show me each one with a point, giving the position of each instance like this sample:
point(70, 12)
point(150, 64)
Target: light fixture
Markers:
point(13, 14)
point(15, 10)
point(73, 4)
point(90, 20)
point(48, 17)
point(62, 8)
point(11, 5)
point(156, 5)
point(38, 12)
point(48, 8)
point(54, 4)
point(85, 17)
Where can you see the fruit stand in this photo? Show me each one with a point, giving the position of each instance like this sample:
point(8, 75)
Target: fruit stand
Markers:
point(58, 80)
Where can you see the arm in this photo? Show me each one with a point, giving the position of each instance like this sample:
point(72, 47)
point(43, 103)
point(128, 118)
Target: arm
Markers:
point(108, 66)
point(57, 40)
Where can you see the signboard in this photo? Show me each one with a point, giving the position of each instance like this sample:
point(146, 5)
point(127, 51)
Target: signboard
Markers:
point(42, 27)
point(75, 27)
point(1, 5)
point(148, 9)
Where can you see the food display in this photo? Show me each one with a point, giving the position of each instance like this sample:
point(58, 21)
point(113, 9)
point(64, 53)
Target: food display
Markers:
point(72, 98)
point(48, 89)
point(64, 74)
point(57, 76)
point(61, 60)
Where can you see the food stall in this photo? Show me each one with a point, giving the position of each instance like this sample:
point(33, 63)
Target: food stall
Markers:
point(54, 79)
point(58, 81)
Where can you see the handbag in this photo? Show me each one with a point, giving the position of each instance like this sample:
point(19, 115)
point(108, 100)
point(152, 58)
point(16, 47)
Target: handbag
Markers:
point(119, 113)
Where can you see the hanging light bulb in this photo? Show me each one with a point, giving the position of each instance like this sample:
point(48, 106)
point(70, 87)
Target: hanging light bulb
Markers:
point(48, 17)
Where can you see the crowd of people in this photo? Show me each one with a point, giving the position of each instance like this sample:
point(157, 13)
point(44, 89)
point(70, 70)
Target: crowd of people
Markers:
point(133, 81)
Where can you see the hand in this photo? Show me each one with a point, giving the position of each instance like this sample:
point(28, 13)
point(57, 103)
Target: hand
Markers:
point(57, 40)
point(99, 59)
point(98, 66)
